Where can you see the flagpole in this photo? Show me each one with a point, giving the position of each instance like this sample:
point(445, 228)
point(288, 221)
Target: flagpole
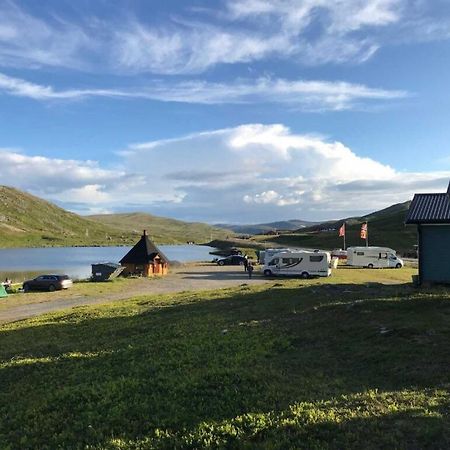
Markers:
point(367, 234)
point(344, 236)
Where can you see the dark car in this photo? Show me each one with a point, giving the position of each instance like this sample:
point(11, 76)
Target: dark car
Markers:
point(233, 260)
point(47, 283)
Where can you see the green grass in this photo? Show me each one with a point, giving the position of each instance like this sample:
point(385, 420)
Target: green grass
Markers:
point(28, 221)
point(162, 229)
point(336, 363)
point(386, 228)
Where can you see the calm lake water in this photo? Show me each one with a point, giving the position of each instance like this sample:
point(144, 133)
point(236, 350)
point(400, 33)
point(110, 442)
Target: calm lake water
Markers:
point(76, 261)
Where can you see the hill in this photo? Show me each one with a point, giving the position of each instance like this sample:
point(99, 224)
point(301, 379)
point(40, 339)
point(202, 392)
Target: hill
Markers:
point(259, 228)
point(162, 230)
point(386, 228)
point(28, 221)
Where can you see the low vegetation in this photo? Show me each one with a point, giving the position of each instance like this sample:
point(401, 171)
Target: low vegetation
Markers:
point(28, 221)
point(386, 228)
point(346, 362)
point(162, 229)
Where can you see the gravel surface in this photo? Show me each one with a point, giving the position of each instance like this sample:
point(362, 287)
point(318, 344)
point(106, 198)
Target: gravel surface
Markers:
point(196, 277)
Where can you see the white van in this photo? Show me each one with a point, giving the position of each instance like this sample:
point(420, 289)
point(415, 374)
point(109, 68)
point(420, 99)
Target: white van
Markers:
point(373, 257)
point(303, 263)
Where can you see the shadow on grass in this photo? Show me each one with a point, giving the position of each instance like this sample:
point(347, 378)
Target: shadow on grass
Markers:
point(174, 362)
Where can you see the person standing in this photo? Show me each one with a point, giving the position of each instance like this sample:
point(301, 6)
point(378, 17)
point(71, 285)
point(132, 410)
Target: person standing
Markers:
point(245, 264)
point(250, 270)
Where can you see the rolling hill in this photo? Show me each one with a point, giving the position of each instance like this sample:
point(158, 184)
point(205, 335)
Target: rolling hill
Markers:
point(162, 230)
point(386, 228)
point(29, 221)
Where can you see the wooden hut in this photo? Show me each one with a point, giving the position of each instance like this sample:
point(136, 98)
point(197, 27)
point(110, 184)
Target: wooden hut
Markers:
point(145, 259)
point(431, 214)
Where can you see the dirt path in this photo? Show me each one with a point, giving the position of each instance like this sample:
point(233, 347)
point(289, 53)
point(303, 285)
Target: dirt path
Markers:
point(189, 278)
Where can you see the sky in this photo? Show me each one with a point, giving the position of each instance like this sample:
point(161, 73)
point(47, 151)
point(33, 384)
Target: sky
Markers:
point(232, 111)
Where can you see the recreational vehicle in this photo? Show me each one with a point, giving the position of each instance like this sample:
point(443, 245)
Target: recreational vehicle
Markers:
point(270, 252)
point(373, 257)
point(303, 263)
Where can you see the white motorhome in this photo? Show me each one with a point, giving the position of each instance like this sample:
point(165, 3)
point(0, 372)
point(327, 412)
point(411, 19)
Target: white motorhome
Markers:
point(303, 263)
point(373, 257)
point(270, 252)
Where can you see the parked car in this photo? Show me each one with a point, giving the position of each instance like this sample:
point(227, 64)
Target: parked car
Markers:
point(47, 283)
point(232, 260)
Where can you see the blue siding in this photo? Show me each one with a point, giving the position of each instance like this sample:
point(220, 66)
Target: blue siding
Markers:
point(435, 253)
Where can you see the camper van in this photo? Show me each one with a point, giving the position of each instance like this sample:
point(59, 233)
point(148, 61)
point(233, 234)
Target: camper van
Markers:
point(303, 263)
point(270, 252)
point(373, 257)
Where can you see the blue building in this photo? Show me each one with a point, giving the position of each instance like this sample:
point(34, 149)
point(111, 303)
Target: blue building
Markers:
point(431, 214)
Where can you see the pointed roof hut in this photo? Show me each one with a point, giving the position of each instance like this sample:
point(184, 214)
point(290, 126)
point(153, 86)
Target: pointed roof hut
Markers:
point(145, 259)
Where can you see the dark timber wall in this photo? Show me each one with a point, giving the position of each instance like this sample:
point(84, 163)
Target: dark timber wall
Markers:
point(434, 253)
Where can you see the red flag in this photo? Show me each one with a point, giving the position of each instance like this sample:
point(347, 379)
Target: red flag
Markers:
point(342, 230)
point(364, 231)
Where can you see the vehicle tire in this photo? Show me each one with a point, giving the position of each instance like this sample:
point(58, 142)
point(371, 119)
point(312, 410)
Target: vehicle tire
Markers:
point(370, 266)
point(26, 288)
point(267, 273)
point(398, 266)
point(51, 288)
point(304, 275)
point(221, 263)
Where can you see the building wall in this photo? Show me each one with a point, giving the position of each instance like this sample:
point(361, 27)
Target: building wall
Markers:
point(147, 270)
point(434, 253)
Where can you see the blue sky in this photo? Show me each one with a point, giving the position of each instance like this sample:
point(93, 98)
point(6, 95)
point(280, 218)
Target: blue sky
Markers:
point(226, 111)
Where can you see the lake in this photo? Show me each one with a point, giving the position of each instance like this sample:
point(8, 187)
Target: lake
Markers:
point(20, 263)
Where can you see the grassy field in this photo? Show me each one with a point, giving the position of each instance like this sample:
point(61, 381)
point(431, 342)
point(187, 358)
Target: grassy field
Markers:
point(28, 221)
point(347, 362)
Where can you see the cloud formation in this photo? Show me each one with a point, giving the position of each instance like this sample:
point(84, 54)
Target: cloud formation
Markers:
point(249, 173)
point(308, 95)
point(191, 41)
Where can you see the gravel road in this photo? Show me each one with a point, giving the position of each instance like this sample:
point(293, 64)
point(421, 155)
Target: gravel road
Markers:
point(196, 277)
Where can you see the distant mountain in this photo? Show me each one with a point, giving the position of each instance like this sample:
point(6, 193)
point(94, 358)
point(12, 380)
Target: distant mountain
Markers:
point(28, 221)
point(284, 225)
point(386, 228)
point(161, 229)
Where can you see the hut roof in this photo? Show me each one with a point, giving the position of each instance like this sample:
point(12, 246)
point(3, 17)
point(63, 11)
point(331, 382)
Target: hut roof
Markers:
point(144, 252)
point(430, 208)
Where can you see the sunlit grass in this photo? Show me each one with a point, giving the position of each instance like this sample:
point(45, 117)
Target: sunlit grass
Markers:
point(343, 362)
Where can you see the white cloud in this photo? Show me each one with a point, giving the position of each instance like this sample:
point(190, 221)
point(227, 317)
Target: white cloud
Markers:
point(265, 171)
point(310, 95)
point(248, 173)
point(189, 40)
point(65, 179)
point(29, 41)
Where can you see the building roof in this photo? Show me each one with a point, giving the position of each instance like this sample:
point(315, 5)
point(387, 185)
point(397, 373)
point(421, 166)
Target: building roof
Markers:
point(144, 252)
point(430, 208)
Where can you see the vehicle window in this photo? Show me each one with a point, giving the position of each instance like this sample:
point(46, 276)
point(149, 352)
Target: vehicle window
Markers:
point(383, 255)
point(360, 253)
point(290, 260)
point(274, 262)
point(41, 278)
point(316, 258)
